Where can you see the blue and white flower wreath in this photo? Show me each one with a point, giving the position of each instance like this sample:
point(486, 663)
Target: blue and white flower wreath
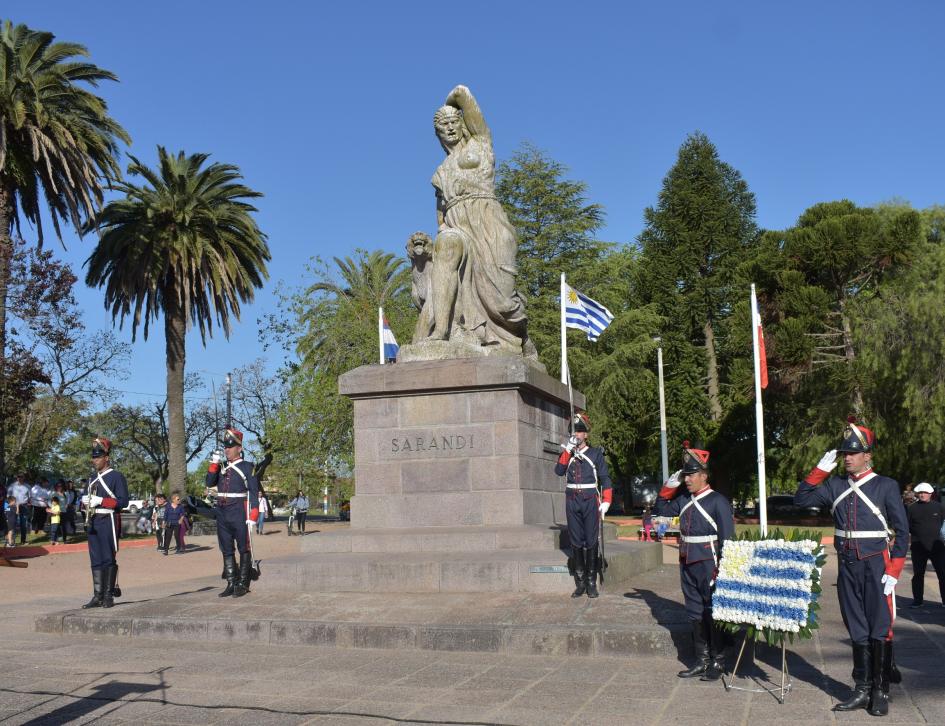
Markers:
point(769, 585)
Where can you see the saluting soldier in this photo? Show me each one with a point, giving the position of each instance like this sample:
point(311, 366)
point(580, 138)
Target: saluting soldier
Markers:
point(706, 522)
point(586, 469)
point(237, 510)
point(107, 495)
point(867, 511)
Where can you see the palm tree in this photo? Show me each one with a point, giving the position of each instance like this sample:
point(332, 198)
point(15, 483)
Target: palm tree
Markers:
point(341, 327)
point(58, 147)
point(183, 244)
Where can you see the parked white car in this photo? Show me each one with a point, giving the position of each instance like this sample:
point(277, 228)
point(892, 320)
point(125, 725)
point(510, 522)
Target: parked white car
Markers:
point(135, 505)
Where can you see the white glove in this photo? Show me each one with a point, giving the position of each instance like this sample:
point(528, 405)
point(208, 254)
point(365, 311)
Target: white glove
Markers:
point(94, 500)
point(571, 445)
point(829, 461)
point(675, 480)
point(604, 506)
point(889, 584)
point(216, 457)
point(250, 523)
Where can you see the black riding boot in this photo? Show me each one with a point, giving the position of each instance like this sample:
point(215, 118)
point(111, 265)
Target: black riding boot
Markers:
point(109, 574)
point(702, 651)
point(716, 652)
point(229, 574)
point(246, 566)
point(591, 568)
point(862, 679)
point(98, 583)
point(879, 695)
point(580, 572)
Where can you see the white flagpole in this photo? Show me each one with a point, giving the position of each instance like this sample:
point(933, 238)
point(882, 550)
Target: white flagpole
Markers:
point(759, 418)
point(564, 337)
point(664, 453)
point(380, 332)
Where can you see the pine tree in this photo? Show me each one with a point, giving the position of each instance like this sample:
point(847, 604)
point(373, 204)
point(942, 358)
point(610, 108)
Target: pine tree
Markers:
point(701, 229)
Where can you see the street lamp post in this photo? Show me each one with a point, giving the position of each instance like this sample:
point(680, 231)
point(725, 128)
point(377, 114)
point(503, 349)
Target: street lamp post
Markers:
point(664, 453)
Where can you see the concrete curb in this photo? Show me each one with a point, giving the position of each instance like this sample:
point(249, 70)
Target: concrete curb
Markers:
point(571, 640)
point(42, 550)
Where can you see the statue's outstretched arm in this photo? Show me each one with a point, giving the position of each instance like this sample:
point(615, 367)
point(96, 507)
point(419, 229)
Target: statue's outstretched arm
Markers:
point(462, 98)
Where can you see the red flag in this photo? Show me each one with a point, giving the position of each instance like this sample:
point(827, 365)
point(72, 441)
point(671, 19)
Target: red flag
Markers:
point(762, 358)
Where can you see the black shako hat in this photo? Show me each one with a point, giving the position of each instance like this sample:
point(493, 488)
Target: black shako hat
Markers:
point(694, 460)
point(101, 447)
point(232, 437)
point(581, 422)
point(857, 439)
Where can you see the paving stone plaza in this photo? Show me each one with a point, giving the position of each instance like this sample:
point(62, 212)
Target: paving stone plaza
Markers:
point(610, 661)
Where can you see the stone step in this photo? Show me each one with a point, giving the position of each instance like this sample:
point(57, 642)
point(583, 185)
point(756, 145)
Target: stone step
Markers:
point(443, 539)
point(512, 570)
point(624, 621)
point(435, 539)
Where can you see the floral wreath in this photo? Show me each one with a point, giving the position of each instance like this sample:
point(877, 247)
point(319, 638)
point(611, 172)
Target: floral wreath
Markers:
point(770, 585)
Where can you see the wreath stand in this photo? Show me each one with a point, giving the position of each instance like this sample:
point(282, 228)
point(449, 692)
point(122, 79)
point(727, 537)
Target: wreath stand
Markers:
point(779, 693)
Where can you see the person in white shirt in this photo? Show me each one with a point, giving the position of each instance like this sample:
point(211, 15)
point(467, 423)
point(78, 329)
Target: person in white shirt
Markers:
point(263, 513)
point(39, 500)
point(21, 491)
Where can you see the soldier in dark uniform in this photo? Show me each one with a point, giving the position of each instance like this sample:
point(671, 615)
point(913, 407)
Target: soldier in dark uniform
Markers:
point(867, 511)
point(705, 523)
point(107, 495)
point(586, 468)
point(237, 509)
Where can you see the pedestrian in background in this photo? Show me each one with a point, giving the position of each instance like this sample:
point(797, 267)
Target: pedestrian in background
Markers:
point(21, 492)
point(173, 512)
point(157, 519)
point(10, 509)
point(300, 504)
point(68, 519)
point(263, 513)
point(925, 526)
point(54, 510)
point(647, 523)
point(39, 500)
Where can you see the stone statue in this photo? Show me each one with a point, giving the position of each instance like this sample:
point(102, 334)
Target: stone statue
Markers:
point(464, 280)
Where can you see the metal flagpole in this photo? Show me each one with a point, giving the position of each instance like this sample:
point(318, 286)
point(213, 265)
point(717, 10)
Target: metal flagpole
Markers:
point(759, 418)
point(380, 332)
point(664, 452)
point(565, 377)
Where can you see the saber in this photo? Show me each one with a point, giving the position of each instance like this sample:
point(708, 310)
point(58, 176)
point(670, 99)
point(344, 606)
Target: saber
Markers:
point(255, 570)
point(570, 402)
point(88, 500)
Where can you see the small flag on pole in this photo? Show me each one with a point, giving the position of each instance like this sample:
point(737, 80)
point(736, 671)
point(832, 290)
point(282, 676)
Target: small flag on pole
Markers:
point(389, 345)
point(762, 357)
point(584, 314)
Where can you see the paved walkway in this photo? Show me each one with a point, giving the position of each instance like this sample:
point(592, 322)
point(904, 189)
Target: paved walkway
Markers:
point(58, 679)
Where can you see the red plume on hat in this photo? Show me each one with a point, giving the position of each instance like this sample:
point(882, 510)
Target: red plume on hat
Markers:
point(101, 447)
point(857, 439)
point(232, 437)
point(694, 459)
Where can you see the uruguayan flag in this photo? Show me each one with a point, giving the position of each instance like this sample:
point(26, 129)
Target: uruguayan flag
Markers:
point(390, 343)
point(585, 314)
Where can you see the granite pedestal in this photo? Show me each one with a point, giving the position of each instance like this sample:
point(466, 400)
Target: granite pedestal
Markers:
point(455, 488)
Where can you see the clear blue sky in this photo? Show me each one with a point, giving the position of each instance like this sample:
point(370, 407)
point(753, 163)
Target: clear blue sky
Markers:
point(327, 109)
